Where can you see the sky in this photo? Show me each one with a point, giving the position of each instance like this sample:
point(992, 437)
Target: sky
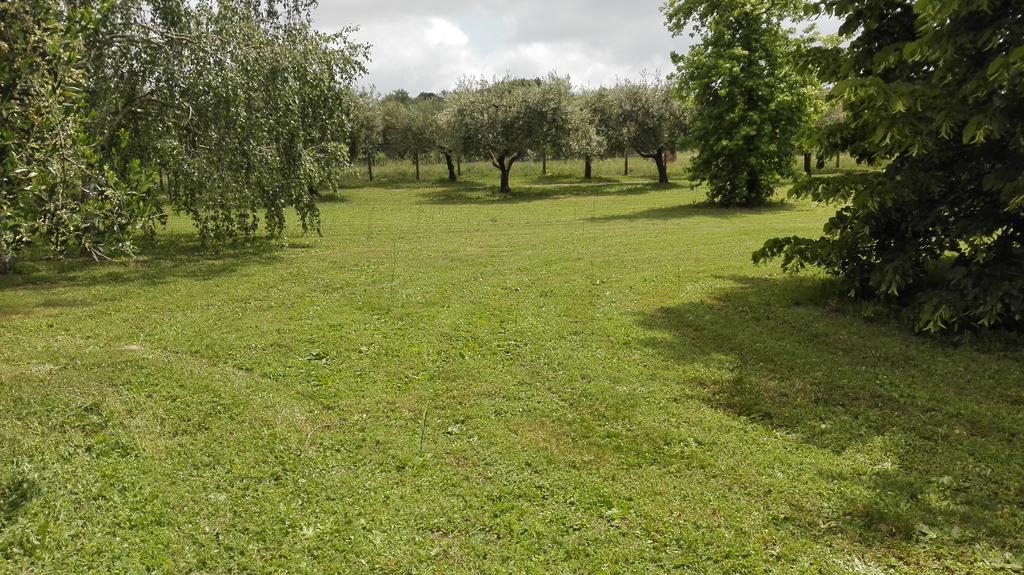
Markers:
point(427, 46)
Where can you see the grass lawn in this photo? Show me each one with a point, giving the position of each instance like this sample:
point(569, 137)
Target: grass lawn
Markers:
point(577, 379)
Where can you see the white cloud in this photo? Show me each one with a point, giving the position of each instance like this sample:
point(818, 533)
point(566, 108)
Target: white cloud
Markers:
point(441, 32)
point(429, 46)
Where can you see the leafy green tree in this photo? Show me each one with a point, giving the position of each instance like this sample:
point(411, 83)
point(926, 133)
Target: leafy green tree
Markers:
point(749, 96)
point(934, 92)
point(505, 120)
point(651, 119)
point(54, 187)
point(241, 104)
point(407, 129)
point(583, 138)
point(600, 105)
point(365, 129)
point(442, 137)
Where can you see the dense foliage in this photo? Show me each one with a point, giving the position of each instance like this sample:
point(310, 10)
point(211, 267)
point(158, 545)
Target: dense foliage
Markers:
point(231, 110)
point(54, 186)
point(750, 99)
point(242, 105)
point(934, 90)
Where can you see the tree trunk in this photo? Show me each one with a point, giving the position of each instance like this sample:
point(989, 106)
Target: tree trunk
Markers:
point(807, 163)
point(458, 165)
point(505, 188)
point(626, 156)
point(753, 188)
point(838, 157)
point(416, 160)
point(659, 160)
point(369, 166)
point(588, 168)
point(452, 177)
point(544, 164)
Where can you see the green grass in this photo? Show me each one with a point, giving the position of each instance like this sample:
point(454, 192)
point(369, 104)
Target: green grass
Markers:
point(577, 379)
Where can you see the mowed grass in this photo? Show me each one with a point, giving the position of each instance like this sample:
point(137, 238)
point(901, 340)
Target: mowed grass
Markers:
point(582, 378)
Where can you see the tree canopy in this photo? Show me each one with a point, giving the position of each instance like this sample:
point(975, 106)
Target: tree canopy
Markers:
point(933, 93)
point(748, 96)
point(650, 119)
point(230, 110)
point(505, 120)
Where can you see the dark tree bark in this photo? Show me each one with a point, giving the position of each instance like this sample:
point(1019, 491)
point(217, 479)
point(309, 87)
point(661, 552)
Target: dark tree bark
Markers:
point(820, 162)
point(369, 166)
point(505, 187)
point(838, 158)
point(544, 164)
point(753, 188)
point(659, 160)
point(807, 163)
point(504, 163)
point(588, 168)
point(626, 156)
point(452, 177)
point(416, 160)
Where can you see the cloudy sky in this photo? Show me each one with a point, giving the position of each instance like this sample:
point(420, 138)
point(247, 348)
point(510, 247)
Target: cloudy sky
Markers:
point(427, 45)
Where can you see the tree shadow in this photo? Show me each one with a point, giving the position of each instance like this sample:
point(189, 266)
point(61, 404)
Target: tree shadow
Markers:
point(169, 256)
point(526, 193)
point(943, 425)
point(557, 178)
point(699, 209)
point(335, 197)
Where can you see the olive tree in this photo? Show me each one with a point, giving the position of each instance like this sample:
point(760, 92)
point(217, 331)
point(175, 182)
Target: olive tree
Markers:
point(365, 129)
point(601, 106)
point(584, 138)
point(750, 98)
point(651, 120)
point(442, 137)
point(407, 129)
point(506, 119)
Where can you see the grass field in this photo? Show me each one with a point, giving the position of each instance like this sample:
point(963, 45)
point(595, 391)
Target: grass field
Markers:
point(576, 379)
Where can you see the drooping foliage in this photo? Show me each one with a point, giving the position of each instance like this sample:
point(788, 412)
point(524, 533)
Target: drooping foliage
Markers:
point(241, 105)
point(934, 92)
point(55, 188)
point(230, 110)
point(749, 96)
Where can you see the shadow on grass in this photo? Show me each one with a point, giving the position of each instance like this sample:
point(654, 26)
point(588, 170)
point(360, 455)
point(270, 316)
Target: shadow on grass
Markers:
point(525, 193)
point(942, 426)
point(699, 209)
point(169, 256)
point(333, 198)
